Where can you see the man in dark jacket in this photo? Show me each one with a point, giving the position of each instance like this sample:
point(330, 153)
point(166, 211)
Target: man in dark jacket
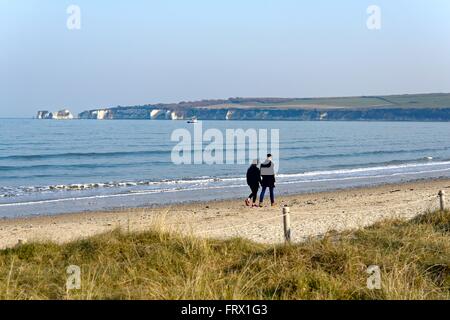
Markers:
point(253, 181)
point(268, 180)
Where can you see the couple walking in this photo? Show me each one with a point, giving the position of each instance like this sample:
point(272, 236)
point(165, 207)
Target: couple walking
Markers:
point(264, 176)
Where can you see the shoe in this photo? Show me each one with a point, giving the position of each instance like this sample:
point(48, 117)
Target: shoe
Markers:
point(255, 205)
point(247, 202)
point(274, 204)
point(260, 205)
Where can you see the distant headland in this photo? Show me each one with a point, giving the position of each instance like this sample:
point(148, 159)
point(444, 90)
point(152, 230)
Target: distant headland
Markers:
point(409, 107)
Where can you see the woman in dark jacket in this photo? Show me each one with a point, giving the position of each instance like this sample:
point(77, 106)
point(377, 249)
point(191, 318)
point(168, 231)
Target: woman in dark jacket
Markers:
point(253, 181)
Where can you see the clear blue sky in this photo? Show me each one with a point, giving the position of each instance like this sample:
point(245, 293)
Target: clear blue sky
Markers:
point(137, 52)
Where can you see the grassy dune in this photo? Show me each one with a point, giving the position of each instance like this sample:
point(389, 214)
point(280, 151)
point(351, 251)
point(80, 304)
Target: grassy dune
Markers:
point(414, 258)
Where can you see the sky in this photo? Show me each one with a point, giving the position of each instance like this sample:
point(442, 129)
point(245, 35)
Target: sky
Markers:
point(149, 51)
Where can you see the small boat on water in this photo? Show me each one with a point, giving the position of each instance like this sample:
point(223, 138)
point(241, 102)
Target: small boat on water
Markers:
point(193, 120)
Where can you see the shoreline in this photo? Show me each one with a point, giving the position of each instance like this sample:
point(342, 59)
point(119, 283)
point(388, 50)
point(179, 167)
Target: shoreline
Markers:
point(118, 202)
point(156, 206)
point(312, 215)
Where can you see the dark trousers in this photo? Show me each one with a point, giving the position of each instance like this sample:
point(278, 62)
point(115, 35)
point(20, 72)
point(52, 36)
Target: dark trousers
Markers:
point(263, 192)
point(254, 193)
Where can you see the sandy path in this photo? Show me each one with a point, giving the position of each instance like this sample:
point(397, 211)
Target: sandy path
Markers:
point(311, 215)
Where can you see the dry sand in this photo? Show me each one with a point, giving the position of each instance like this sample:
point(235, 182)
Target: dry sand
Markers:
point(311, 215)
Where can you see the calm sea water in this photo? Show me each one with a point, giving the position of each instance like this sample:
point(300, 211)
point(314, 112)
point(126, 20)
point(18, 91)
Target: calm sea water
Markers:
point(50, 167)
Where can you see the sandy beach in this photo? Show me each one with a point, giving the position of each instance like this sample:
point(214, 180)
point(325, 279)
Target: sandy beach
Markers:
point(311, 214)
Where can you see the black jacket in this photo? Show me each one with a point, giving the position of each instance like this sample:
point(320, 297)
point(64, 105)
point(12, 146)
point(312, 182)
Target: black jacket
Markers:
point(268, 181)
point(253, 175)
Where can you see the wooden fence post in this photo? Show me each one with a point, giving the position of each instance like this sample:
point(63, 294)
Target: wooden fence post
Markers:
point(442, 199)
point(287, 224)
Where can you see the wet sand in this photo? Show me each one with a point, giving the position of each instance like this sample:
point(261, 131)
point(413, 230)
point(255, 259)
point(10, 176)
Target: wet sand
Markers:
point(311, 215)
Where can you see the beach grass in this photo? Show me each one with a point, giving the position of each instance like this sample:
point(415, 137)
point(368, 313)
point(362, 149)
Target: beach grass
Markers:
point(413, 257)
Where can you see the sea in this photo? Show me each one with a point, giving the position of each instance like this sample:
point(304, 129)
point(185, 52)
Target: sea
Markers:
point(50, 167)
